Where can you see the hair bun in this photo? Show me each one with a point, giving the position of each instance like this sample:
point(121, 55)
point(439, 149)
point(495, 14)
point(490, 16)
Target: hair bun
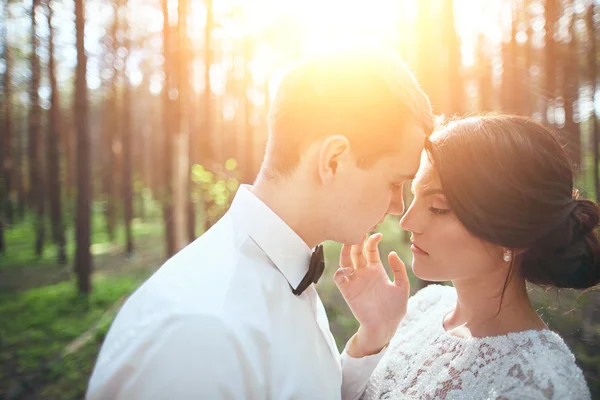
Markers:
point(568, 256)
point(586, 215)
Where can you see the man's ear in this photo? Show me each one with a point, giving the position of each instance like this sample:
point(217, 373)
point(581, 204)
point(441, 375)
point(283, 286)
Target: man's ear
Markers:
point(333, 151)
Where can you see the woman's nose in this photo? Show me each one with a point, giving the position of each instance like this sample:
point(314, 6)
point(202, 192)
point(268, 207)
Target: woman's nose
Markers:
point(407, 222)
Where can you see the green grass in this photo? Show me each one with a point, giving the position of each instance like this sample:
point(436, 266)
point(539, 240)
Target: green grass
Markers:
point(36, 325)
point(20, 241)
point(41, 311)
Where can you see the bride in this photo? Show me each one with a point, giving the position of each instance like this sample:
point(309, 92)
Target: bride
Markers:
point(494, 208)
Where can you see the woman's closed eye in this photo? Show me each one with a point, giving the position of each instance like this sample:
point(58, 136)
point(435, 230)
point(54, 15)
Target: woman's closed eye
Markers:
point(439, 211)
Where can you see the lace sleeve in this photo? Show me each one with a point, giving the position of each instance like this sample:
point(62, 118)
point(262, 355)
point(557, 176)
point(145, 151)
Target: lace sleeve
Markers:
point(531, 392)
point(552, 381)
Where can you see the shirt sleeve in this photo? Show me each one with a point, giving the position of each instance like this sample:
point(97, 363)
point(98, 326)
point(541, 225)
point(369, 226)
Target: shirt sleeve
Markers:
point(356, 373)
point(190, 357)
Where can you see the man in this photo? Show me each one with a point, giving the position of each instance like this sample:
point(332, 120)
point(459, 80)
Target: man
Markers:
point(235, 314)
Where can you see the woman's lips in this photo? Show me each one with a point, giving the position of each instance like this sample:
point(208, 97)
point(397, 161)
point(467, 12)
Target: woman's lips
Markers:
point(417, 250)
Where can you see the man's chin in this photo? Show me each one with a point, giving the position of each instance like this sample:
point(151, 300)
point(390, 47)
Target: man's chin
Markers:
point(352, 241)
point(358, 239)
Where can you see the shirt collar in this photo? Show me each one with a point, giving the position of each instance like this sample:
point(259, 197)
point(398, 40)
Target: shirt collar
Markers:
point(290, 254)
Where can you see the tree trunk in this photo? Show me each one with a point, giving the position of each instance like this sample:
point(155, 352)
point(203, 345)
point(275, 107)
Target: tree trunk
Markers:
point(167, 186)
point(551, 15)
point(193, 160)
point(83, 257)
point(527, 100)
point(6, 217)
point(509, 81)
point(68, 140)
point(185, 214)
point(111, 127)
point(126, 141)
point(181, 139)
point(36, 179)
point(484, 77)
point(456, 95)
point(207, 100)
point(593, 118)
point(52, 145)
point(250, 170)
point(427, 69)
point(570, 93)
point(19, 170)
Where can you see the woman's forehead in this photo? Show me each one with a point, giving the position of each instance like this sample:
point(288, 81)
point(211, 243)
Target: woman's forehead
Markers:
point(426, 176)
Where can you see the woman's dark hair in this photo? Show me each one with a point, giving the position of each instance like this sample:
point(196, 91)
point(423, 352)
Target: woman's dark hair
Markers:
point(509, 182)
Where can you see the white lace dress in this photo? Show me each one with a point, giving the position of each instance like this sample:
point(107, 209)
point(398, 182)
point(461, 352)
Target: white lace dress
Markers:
point(423, 361)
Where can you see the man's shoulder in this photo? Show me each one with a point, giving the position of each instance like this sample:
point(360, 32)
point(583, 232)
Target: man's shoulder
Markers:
point(236, 279)
point(146, 345)
point(151, 311)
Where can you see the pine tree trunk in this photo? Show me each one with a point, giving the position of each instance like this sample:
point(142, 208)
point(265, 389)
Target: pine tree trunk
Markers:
point(19, 169)
point(111, 127)
point(181, 138)
point(570, 93)
point(250, 170)
point(208, 144)
point(6, 209)
point(52, 148)
point(484, 77)
point(36, 162)
point(527, 100)
point(167, 186)
point(127, 158)
point(456, 90)
point(83, 257)
point(551, 15)
point(509, 81)
point(593, 118)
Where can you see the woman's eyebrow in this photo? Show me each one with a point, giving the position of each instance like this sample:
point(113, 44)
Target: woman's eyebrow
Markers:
point(432, 191)
point(404, 177)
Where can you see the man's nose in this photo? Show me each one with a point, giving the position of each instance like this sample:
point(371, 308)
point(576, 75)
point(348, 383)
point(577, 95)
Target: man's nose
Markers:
point(396, 205)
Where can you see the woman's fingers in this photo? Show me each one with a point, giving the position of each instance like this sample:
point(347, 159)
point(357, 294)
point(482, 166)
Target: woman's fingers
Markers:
point(357, 254)
point(342, 275)
point(398, 269)
point(371, 249)
point(345, 257)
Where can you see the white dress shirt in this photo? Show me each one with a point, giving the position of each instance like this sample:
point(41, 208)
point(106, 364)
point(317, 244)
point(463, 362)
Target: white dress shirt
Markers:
point(219, 320)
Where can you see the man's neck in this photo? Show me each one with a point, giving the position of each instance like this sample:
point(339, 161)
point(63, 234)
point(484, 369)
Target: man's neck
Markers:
point(292, 202)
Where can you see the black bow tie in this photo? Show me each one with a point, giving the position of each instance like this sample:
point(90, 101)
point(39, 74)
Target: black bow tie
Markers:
point(315, 270)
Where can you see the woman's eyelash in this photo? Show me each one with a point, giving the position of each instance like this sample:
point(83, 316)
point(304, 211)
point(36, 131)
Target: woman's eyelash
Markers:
point(439, 211)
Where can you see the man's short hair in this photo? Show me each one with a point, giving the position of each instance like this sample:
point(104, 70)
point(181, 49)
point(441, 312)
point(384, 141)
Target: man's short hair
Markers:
point(367, 95)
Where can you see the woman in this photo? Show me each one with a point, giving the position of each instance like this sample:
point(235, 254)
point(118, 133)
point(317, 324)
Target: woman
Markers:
point(494, 208)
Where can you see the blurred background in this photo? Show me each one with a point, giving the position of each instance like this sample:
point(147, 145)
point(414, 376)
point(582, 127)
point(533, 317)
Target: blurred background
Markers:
point(127, 126)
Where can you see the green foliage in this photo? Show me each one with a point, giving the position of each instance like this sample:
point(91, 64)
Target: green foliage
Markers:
point(214, 190)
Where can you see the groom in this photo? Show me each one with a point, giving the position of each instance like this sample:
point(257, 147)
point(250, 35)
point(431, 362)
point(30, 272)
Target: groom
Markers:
point(235, 314)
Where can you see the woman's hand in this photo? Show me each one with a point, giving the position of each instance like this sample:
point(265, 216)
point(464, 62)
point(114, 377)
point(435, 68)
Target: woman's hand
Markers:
point(377, 303)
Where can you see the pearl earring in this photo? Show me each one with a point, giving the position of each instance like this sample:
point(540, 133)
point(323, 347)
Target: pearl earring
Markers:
point(507, 255)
